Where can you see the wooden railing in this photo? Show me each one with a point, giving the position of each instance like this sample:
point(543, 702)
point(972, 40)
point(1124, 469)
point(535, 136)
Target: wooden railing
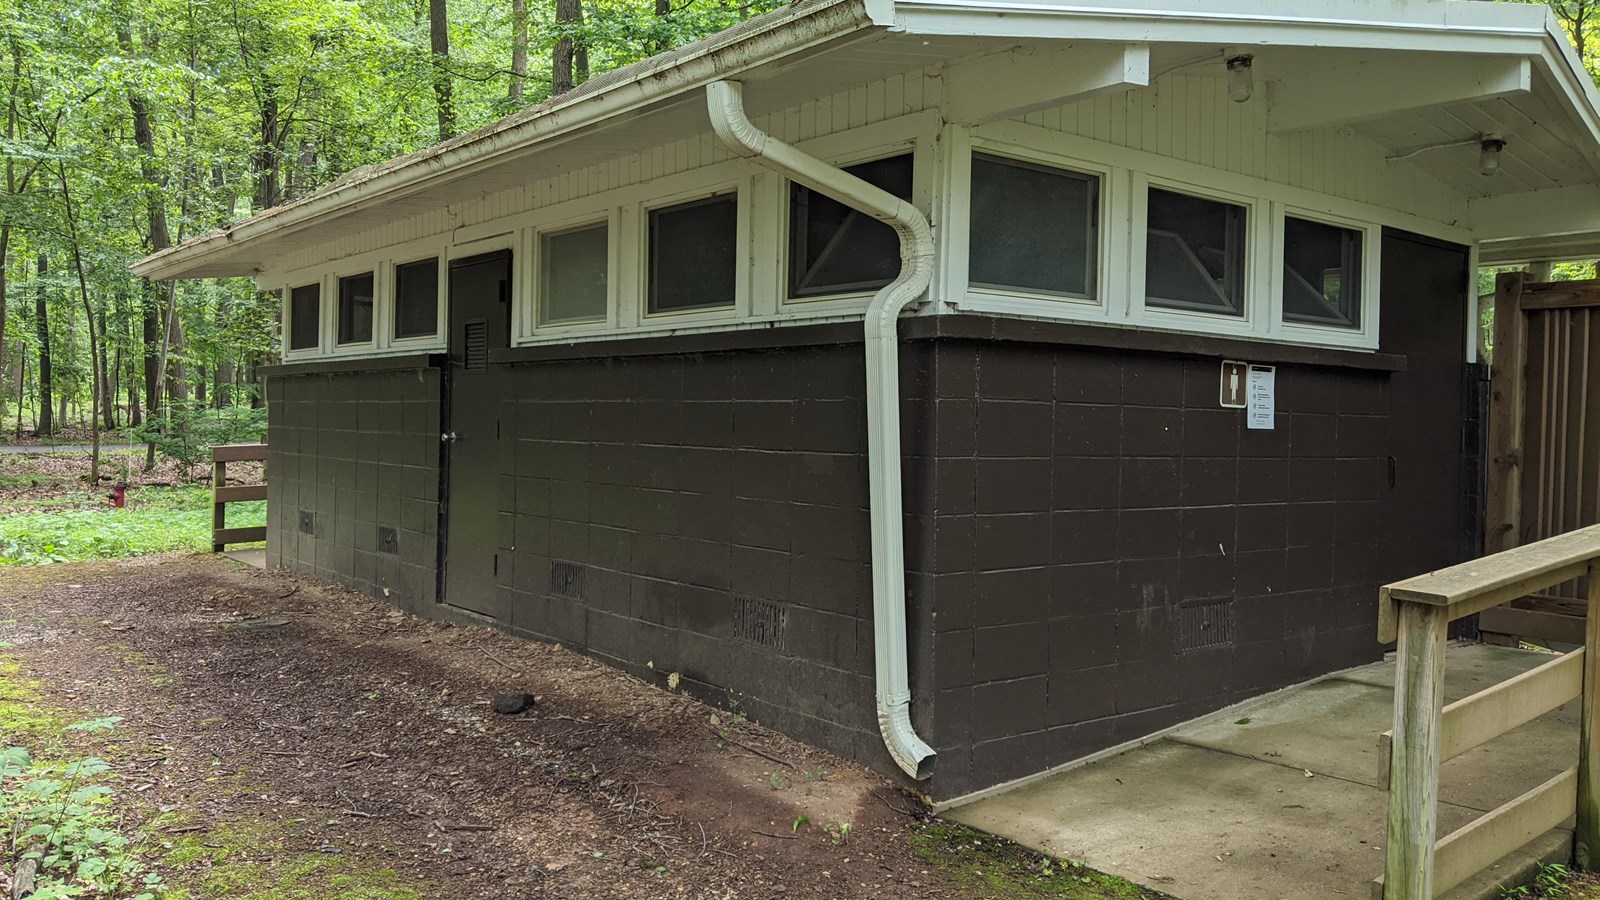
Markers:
point(222, 494)
point(1416, 612)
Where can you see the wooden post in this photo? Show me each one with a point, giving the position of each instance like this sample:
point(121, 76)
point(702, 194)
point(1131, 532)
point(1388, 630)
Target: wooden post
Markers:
point(1586, 836)
point(1507, 399)
point(1415, 752)
point(219, 508)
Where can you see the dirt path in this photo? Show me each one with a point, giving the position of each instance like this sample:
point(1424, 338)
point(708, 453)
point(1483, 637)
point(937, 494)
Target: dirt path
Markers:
point(272, 719)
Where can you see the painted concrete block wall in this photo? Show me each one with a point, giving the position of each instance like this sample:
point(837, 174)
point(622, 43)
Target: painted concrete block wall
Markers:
point(356, 452)
point(716, 504)
point(1086, 503)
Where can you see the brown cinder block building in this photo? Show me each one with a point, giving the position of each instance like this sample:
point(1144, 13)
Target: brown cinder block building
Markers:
point(966, 393)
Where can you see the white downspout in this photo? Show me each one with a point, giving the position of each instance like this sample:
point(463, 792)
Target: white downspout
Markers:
point(725, 100)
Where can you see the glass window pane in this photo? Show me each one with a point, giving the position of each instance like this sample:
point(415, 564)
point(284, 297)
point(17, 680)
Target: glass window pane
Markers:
point(355, 309)
point(835, 249)
point(1033, 227)
point(693, 254)
point(1321, 274)
point(572, 285)
point(305, 314)
point(416, 299)
point(1194, 256)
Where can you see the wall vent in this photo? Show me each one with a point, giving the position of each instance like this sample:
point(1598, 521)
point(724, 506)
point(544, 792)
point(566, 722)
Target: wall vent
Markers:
point(566, 580)
point(477, 342)
point(759, 622)
point(308, 522)
point(1206, 624)
point(388, 540)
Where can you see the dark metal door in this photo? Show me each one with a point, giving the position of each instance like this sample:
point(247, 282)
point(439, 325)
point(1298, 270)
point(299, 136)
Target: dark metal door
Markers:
point(480, 320)
point(1424, 318)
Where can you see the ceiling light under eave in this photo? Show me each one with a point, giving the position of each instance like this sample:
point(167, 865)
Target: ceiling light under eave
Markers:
point(1489, 150)
point(1241, 77)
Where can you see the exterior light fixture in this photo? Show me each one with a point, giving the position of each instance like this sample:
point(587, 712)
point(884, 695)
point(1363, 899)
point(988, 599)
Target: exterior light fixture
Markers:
point(1241, 80)
point(1489, 149)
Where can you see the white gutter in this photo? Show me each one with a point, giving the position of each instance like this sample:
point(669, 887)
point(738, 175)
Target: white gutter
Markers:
point(725, 100)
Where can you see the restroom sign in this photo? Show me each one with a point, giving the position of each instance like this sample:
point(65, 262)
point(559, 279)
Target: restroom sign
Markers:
point(1235, 384)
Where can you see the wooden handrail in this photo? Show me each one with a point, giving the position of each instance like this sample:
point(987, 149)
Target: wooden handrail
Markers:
point(1472, 587)
point(1416, 612)
point(222, 494)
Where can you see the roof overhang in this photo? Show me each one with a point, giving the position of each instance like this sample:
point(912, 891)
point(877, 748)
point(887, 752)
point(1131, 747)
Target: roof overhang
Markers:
point(1420, 78)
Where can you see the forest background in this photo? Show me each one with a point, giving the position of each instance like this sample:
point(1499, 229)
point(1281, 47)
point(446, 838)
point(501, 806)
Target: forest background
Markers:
point(131, 125)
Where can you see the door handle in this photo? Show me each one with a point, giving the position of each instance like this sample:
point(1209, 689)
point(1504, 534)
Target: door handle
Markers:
point(449, 437)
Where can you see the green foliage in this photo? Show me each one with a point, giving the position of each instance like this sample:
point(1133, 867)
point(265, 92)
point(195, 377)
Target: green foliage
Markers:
point(999, 869)
point(58, 813)
point(1553, 880)
point(188, 431)
point(157, 520)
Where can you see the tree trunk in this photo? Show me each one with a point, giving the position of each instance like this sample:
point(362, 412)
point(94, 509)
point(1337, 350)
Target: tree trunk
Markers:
point(662, 43)
point(222, 396)
point(268, 155)
point(108, 407)
point(439, 35)
point(569, 16)
point(519, 47)
point(45, 424)
point(96, 344)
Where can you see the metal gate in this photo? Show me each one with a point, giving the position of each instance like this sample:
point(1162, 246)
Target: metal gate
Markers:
point(1544, 440)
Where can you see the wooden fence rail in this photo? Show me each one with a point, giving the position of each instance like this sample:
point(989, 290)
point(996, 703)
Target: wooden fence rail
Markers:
point(223, 493)
point(1416, 613)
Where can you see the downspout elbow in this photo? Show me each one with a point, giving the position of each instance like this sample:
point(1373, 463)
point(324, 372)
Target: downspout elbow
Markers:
point(725, 103)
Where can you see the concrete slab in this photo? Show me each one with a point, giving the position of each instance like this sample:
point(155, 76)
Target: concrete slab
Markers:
point(254, 557)
point(1204, 825)
point(1219, 809)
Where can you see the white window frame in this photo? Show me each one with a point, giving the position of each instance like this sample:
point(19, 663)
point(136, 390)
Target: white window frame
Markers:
point(391, 308)
point(1371, 277)
point(1094, 306)
point(378, 291)
point(321, 281)
point(528, 324)
point(639, 315)
point(1123, 228)
point(912, 133)
point(1256, 303)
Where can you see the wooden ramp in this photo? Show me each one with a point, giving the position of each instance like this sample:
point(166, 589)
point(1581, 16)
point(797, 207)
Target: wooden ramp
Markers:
point(1284, 796)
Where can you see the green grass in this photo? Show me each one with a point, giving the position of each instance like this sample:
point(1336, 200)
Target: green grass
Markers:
point(56, 799)
point(999, 869)
point(83, 526)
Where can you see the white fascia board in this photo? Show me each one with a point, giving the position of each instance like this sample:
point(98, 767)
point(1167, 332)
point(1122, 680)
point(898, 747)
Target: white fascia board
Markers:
point(1352, 92)
point(655, 81)
point(1560, 63)
point(1456, 27)
point(1533, 215)
point(1020, 80)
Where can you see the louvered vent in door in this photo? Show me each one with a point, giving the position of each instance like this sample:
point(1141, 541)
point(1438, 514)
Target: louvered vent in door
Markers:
point(477, 355)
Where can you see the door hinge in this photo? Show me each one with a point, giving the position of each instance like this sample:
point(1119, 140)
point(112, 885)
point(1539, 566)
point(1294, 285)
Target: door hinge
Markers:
point(497, 565)
point(497, 429)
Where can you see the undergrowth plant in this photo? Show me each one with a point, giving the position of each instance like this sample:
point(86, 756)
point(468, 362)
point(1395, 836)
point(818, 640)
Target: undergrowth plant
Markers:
point(157, 520)
point(58, 814)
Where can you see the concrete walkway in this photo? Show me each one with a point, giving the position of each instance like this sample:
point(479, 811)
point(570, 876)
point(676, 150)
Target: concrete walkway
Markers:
point(1279, 798)
point(254, 556)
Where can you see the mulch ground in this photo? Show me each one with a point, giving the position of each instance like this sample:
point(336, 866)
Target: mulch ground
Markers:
point(367, 731)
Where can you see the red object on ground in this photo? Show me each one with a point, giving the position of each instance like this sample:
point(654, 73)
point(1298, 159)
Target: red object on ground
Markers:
point(119, 495)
